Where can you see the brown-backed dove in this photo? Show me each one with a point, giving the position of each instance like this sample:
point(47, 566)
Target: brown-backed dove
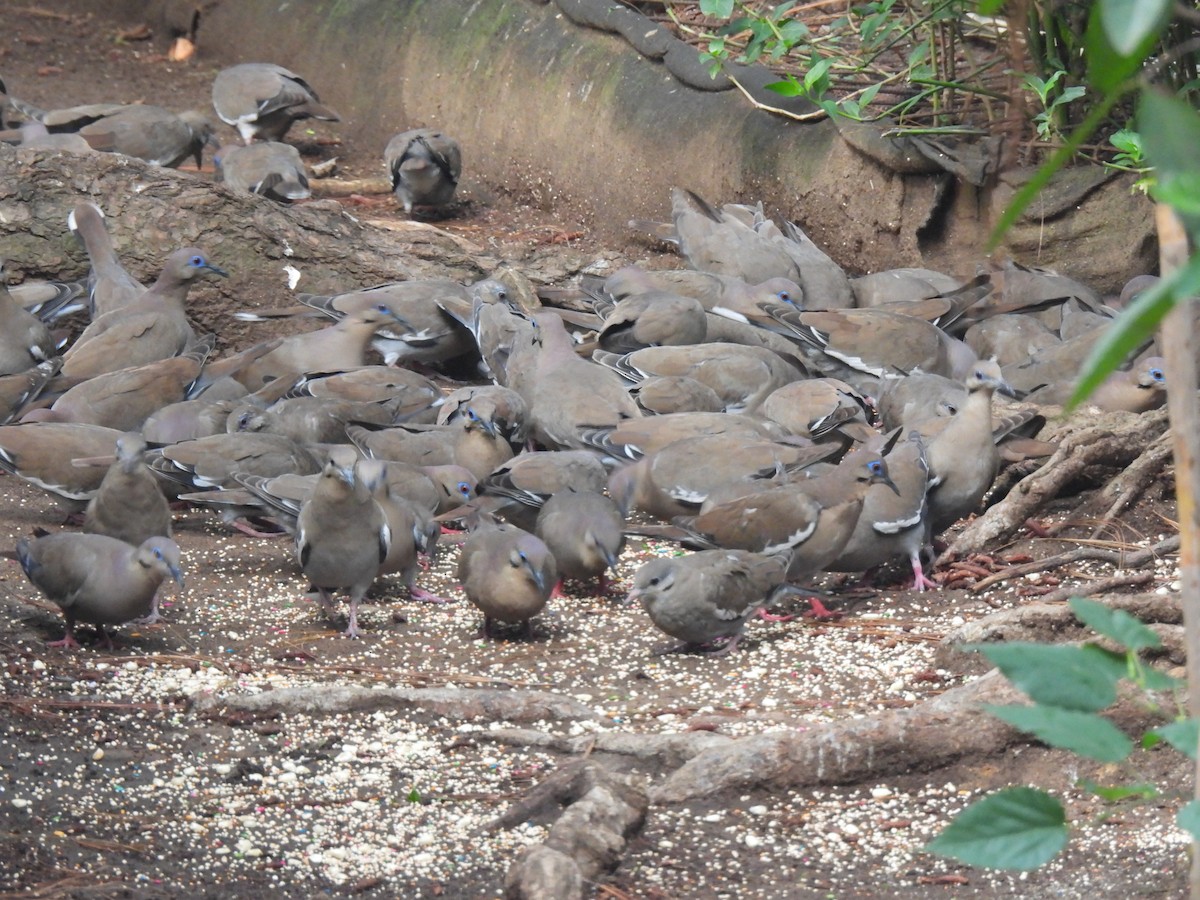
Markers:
point(507, 573)
point(342, 535)
point(708, 596)
point(270, 168)
point(98, 579)
point(424, 165)
point(262, 100)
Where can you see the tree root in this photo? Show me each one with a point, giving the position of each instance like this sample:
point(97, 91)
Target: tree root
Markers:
point(928, 735)
point(1046, 622)
point(602, 812)
point(1124, 490)
point(451, 703)
point(1120, 558)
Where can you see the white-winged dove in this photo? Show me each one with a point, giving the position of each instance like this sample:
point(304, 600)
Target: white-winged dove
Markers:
point(710, 289)
point(893, 522)
point(124, 399)
point(213, 461)
point(507, 573)
point(25, 341)
point(41, 453)
point(522, 485)
point(808, 520)
point(499, 327)
point(411, 527)
point(653, 319)
point(640, 437)
point(342, 535)
point(584, 531)
point(18, 391)
point(818, 408)
point(270, 168)
point(708, 596)
point(424, 331)
point(262, 100)
point(147, 132)
point(566, 394)
point(678, 479)
point(823, 281)
point(472, 442)
point(1009, 339)
point(961, 450)
point(1138, 389)
point(504, 409)
point(311, 420)
point(152, 327)
point(741, 376)
point(187, 421)
point(366, 384)
point(714, 241)
point(110, 286)
point(905, 284)
point(98, 579)
point(333, 349)
point(865, 347)
point(663, 394)
point(129, 504)
point(151, 133)
point(424, 165)
point(911, 401)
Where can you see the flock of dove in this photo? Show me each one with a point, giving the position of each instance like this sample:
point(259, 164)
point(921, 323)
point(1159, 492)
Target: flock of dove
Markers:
point(760, 407)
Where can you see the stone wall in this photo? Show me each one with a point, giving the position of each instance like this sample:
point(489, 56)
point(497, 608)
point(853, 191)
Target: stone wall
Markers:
point(571, 117)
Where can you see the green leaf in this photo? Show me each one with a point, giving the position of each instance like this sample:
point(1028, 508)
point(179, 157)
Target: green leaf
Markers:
point(1127, 23)
point(1117, 624)
point(868, 94)
point(414, 796)
point(1134, 327)
point(1069, 94)
point(1080, 678)
point(1170, 129)
point(817, 74)
point(1127, 141)
point(1180, 191)
point(789, 87)
point(990, 7)
point(1188, 819)
point(1084, 733)
point(721, 9)
point(1183, 735)
point(1153, 680)
point(1120, 791)
point(1107, 67)
point(792, 32)
point(1016, 828)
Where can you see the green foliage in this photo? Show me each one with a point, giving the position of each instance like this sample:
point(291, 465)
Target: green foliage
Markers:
point(1087, 734)
point(1016, 828)
point(1021, 828)
point(1049, 121)
point(1078, 678)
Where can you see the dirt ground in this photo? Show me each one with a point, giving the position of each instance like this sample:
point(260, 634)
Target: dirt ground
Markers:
point(113, 784)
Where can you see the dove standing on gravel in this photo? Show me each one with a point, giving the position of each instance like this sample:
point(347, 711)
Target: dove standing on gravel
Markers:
point(98, 579)
point(708, 596)
point(342, 535)
point(507, 573)
point(424, 166)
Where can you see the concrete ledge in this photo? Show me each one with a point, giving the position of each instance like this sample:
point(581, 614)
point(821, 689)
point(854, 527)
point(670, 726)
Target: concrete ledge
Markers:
point(573, 119)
